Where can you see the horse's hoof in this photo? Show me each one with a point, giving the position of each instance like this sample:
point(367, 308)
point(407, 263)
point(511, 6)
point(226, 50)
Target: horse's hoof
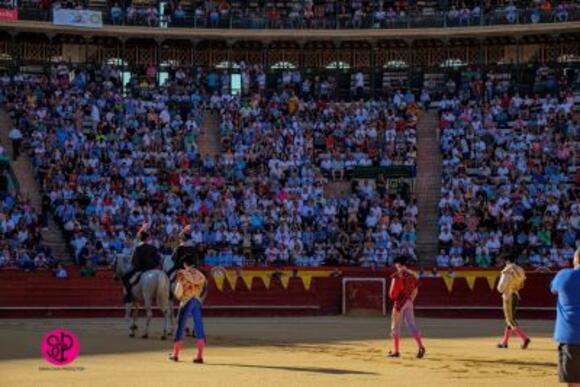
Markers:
point(145, 336)
point(132, 334)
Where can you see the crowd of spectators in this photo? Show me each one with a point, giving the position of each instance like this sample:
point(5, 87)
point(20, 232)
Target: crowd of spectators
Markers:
point(319, 13)
point(284, 148)
point(331, 14)
point(20, 236)
point(510, 176)
point(111, 158)
point(108, 162)
point(20, 228)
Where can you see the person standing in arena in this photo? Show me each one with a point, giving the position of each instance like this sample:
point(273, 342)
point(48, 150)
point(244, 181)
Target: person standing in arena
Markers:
point(510, 283)
point(403, 290)
point(186, 254)
point(191, 285)
point(566, 285)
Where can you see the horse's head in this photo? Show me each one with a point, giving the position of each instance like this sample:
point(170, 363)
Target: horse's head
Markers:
point(121, 265)
point(167, 263)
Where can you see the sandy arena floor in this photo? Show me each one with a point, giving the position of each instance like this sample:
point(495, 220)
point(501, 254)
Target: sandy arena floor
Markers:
point(322, 351)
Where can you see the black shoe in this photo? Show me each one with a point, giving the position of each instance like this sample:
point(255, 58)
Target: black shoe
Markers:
point(393, 354)
point(421, 353)
point(526, 343)
point(502, 345)
point(198, 360)
point(173, 357)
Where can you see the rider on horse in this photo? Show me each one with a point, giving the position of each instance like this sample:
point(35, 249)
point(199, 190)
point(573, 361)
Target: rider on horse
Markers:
point(145, 257)
point(186, 253)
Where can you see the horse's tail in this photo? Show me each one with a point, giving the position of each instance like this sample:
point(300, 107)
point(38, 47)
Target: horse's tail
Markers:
point(163, 291)
point(172, 277)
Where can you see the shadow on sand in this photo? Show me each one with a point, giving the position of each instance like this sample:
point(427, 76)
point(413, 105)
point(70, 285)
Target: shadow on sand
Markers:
point(316, 370)
point(510, 362)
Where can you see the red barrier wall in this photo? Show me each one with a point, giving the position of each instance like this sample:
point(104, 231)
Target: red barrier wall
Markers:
point(19, 290)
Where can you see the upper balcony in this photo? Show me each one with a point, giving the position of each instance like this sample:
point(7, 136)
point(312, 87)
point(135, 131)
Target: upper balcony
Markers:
point(298, 20)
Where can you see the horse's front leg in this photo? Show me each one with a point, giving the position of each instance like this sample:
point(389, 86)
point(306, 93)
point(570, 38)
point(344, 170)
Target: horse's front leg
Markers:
point(166, 313)
point(149, 314)
point(133, 318)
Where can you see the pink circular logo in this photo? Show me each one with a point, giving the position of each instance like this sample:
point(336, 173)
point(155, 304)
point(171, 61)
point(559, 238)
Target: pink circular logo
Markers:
point(60, 347)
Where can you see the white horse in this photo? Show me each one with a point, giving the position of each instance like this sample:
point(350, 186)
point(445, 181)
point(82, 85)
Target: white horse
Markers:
point(152, 285)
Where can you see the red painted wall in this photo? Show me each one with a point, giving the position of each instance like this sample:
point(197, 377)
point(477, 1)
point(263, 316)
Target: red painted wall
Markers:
point(20, 289)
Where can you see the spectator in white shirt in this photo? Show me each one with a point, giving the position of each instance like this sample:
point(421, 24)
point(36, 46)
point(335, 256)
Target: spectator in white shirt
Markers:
point(16, 136)
point(443, 260)
point(60, 271)
point(457, 261)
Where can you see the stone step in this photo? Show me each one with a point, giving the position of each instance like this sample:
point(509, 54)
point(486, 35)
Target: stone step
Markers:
point(428, 242)
point(430, 247)
point(209, 141)
point(432, 233)
point(30, 189)
point(428, 228)
point(428, 186)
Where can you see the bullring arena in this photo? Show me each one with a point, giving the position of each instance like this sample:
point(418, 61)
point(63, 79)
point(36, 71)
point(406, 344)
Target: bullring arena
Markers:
point(300, 172)
point(276, 347)
point(290, 351)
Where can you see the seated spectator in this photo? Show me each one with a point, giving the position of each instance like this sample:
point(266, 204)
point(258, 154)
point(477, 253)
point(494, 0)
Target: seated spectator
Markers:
point(150, 15)
point(561, 13)
point(214, 17)
point(443, 260)
point(131, 14)
point(60, 272)
point(536, 14)
point(457, 261)
point(116, 14)
point(24, 261)
point(476, 14)
point(87, 270)
point(453, 16)
point(482, 257)
point(179, 15)
point(464, 15)
point(511, 13)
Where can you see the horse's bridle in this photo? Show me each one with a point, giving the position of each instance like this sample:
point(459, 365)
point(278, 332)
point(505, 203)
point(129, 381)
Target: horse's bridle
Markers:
point(115, 261)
